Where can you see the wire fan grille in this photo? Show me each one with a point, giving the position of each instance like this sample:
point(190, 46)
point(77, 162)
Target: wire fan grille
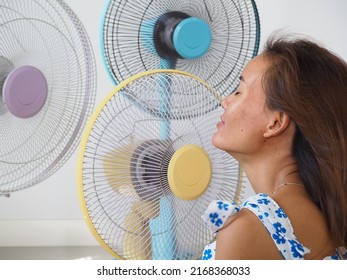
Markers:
point(124, 160)
point(46, 35)
point(129, 44)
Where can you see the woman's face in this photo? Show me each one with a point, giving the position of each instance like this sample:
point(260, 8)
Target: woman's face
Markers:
point(243, 123)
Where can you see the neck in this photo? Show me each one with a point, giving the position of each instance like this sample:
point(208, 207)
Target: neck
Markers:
point(266, 173)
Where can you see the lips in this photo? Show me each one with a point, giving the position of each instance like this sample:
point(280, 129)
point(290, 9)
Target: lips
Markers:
point(220, 123)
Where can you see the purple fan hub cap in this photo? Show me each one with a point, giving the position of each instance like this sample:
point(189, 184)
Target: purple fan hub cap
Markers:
point(25, 91)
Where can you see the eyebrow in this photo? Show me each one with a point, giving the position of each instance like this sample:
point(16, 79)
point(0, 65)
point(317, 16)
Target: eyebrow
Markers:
point(242, 79)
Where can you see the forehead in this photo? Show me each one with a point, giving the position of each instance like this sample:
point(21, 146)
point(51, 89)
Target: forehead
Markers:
point(254, 70)
point(253, 78)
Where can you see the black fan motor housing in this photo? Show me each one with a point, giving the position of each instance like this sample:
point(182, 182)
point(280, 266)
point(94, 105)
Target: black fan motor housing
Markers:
point(163, 34)
point(148, 168)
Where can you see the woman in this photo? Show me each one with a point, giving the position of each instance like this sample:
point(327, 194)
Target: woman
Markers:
point(287, 126)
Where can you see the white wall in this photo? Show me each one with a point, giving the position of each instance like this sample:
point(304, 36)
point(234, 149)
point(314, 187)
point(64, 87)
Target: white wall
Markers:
point(48, 214)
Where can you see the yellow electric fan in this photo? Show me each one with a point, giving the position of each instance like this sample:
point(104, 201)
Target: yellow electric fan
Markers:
point(147, 169)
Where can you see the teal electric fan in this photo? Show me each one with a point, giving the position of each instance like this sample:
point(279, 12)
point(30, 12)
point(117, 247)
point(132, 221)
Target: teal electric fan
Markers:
point(211, 39)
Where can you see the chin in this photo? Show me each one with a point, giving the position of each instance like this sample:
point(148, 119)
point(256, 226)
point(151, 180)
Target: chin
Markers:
point(217, 142)
point(220, 143)
point(214, 140)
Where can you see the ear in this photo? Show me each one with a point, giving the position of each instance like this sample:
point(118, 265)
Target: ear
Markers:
point(278, 124)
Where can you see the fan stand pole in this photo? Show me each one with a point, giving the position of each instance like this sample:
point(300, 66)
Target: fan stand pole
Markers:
point(164, 242)
point(190, 46)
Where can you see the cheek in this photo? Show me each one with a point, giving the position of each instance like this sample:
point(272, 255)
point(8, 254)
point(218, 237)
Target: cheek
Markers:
point(229, 135)
point(239, 120)
point(243, 131)
point(243, 128)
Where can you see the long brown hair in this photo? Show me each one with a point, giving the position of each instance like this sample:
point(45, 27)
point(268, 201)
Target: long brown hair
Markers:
point(309, 83)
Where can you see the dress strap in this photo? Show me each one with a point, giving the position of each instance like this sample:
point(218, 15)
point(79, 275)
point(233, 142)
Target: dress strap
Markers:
point(215, 217)
point(217, 213)
point(277, 224)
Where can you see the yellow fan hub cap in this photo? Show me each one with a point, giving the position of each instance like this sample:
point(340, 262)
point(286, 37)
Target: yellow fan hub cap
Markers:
point(189, 172)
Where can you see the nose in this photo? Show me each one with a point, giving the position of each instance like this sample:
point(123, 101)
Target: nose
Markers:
point(225, 102)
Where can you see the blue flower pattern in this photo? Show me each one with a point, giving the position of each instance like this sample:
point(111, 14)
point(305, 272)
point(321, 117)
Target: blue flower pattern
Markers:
point(222, 205)
point(280, 213)
point(207, 255)
point(270, 214)
point(263, 201)
point(297, 249)
point(214, 218)
point(252, 205)
point(278, 236)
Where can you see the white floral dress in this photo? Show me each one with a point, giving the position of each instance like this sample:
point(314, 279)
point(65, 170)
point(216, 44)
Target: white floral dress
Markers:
point(270, 214)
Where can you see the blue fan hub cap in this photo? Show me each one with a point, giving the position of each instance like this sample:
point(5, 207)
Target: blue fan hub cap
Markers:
point(192, 38)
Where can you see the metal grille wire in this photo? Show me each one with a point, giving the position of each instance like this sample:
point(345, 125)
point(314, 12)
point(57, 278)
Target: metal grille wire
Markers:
point(124, 191)
point(49, 36)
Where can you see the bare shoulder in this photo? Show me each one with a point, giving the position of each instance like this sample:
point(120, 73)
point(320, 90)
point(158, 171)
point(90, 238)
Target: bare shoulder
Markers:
point(245, 237)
